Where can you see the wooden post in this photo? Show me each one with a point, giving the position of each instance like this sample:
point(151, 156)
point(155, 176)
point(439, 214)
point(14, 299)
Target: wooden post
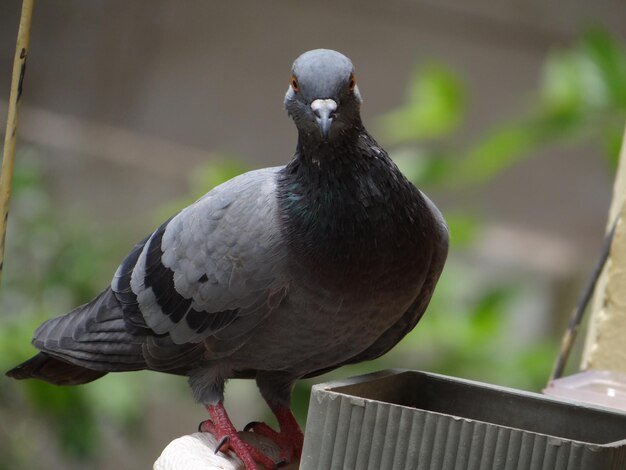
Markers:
point(10, 137)
point(605, 346)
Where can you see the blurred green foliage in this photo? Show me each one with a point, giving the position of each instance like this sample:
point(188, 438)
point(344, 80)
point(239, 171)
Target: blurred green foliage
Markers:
point(50, 268)
point(53, 266)
point(581, 97)
point(433, 108)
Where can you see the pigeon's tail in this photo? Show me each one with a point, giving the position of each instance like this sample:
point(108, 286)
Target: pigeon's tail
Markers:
point(85, 344)
point(45, 367)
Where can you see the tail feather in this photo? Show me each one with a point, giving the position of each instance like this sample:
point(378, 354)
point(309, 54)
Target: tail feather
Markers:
point(93, 336)
point(53, 370)
point(94, 339)
point(83, 345)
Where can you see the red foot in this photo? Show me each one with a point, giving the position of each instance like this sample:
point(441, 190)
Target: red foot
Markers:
point(220, 426)
point(290, 438)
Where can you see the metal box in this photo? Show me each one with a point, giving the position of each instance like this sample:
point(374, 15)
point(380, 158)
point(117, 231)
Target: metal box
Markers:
point(410, 420)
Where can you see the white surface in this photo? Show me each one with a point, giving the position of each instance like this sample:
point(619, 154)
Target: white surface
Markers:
point(195, 452)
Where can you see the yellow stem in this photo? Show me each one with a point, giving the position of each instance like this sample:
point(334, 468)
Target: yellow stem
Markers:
point(10, 137)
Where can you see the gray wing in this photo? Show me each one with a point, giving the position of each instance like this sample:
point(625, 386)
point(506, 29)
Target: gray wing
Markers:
point(216, 263)
point(205, 277)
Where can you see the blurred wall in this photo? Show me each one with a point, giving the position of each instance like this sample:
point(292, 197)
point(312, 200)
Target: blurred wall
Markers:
point(127, 97)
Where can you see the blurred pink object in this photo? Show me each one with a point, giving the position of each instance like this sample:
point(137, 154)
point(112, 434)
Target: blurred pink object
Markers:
point(600, 387)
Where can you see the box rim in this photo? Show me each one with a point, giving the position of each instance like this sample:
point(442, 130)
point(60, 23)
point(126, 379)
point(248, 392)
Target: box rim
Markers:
point(327, 388)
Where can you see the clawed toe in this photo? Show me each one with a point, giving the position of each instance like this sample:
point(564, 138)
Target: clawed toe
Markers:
point(289, 448)
point(207, 426)
point(250, 426)
point(222, 444)
point(221, 427)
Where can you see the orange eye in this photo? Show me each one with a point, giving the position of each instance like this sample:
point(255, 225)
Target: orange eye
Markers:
point(352, 83)
point(294, 84)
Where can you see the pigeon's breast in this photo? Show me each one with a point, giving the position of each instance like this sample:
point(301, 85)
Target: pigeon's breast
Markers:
point(350, 250)
point(338, 239)
point(359, 242)
point(315, 329)
point(334, 311)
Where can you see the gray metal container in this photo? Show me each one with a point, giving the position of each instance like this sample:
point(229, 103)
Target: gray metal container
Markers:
point(405, 420)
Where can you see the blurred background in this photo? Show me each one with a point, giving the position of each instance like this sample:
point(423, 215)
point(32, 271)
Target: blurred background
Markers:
point(508, 114)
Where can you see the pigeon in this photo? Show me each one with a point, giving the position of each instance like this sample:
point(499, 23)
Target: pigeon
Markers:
point(275, 275)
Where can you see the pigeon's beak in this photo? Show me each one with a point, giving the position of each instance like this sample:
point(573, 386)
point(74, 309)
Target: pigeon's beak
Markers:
point(324, 111)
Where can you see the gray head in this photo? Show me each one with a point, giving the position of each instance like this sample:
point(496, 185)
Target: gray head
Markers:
point(323, 99)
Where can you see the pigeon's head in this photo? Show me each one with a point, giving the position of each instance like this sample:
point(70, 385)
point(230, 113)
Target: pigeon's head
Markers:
point(323, 98)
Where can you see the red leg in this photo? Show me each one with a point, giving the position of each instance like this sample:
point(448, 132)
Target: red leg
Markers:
point(220, 426)
point(290, 438)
